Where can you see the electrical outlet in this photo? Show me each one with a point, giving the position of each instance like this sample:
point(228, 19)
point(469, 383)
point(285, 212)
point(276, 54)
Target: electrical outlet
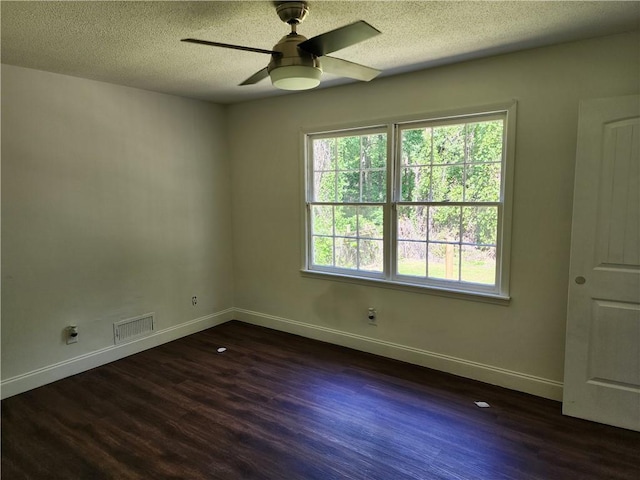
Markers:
point(194, 301)
point(72, 334)
point(372, 315)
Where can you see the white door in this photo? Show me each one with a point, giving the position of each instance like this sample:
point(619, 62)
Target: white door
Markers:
point(602, 361)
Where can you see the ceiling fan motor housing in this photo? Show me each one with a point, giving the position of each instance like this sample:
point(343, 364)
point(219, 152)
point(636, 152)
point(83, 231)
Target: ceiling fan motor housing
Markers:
point(291, 55)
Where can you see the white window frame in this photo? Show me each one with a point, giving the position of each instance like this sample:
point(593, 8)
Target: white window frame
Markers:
point(388, 278)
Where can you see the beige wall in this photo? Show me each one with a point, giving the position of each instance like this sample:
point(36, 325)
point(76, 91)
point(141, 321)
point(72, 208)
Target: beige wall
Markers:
point(115, 203)
point(526, 337)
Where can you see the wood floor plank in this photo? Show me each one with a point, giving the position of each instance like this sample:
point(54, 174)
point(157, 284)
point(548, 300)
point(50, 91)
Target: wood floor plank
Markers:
point(278, 406)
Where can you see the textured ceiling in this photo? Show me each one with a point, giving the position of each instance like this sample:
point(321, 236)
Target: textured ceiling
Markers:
point(138, 43)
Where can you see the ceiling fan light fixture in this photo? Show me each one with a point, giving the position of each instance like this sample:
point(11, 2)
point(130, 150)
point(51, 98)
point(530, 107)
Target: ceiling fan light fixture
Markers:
point(295, 77)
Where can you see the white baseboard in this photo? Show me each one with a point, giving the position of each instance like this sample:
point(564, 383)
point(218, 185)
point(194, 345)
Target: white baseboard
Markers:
point(51, 373)
point(522, 382)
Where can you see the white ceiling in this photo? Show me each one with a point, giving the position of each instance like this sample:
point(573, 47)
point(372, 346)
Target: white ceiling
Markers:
point(138, 43)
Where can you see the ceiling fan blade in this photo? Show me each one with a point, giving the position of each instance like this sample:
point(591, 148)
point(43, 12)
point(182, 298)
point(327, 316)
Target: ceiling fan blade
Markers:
point(344, 68)
point(339, 38)
point(256, 77)
point(227, 45)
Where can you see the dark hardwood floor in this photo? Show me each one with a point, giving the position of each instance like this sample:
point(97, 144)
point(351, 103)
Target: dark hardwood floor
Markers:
point(278, 406)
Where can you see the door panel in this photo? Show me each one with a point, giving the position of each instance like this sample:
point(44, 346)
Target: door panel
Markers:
point(602, 362)
point(618, 222)
point(614, 330)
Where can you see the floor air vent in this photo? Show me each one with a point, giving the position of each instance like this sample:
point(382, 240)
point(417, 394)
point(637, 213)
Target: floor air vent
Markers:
point(132, 328)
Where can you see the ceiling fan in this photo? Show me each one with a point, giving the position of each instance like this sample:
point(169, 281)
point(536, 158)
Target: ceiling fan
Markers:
point(296, 62)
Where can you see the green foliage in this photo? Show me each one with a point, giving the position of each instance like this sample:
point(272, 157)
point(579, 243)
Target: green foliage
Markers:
point(479, 225)
point(484, 141)
point(350, 169)
point(323, 251)
point(322, 219)
point(357, 231)
point(324, 154)
point(448, 144)
point(416, 146)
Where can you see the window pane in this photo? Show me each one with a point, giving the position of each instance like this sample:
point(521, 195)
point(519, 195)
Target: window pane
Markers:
point(322, 220)
point(447, 183)
point(416, 184)
point(371, 222)
point(444, 261)
point(479, 265)
point(483, 183)
point(444, 224)
point(324, 186)
point(412, 223)
point(416, 146)
point(448, 144)
point(323, 251)
point(412, 259)
point(374, 185)
point(346, 219)
point(480, 225)
point(374, 151)
point(348, 187)
point(371, 255)
point(346, 252)
point(350, 169)
point(324, 154)
point(484, 141)
point(348, 153)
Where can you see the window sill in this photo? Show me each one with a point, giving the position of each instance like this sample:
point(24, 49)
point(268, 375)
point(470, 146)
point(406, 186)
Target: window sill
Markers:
point(409, 287)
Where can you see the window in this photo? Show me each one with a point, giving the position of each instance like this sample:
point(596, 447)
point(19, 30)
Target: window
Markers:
point(418, 203)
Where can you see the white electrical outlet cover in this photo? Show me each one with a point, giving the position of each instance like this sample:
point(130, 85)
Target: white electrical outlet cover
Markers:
point(482, 404)
point(222, 349)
